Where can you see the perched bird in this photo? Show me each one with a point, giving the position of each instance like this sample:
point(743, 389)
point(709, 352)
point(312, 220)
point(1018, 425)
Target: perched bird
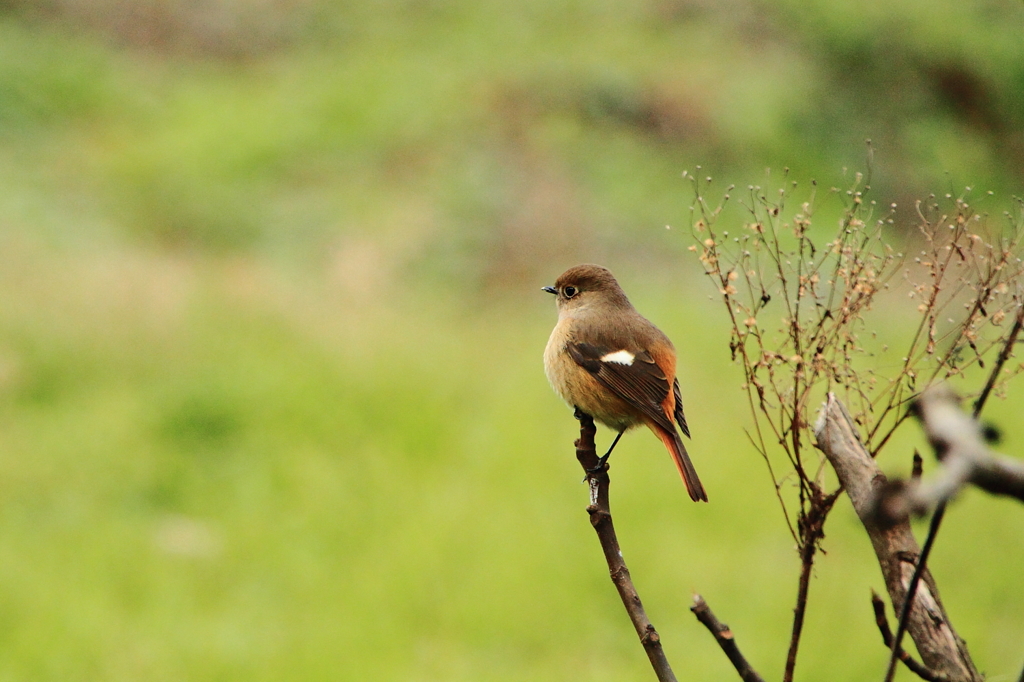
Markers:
point(609, 361)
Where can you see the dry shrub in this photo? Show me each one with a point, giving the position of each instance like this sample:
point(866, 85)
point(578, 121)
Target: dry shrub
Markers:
point(804, 303)
point(960, 288)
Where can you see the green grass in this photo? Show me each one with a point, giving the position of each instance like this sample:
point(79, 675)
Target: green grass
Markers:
point(216, 472)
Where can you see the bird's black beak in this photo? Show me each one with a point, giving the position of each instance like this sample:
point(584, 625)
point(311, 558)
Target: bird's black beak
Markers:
point(550, 290)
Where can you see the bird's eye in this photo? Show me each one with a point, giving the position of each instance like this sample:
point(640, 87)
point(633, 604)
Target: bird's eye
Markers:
point(570, 291)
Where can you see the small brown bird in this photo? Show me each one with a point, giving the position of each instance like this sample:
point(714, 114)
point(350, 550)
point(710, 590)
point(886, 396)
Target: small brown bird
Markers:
point(609, 361)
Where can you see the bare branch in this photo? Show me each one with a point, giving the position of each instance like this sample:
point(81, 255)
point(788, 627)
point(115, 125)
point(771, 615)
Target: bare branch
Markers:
point(959, 445)
point(723, 635)
point(940, 509)
point(912, 586)
point(812, 531)
point(941, 649)
point(807, 551)
point(601, 519)
point(883, 627)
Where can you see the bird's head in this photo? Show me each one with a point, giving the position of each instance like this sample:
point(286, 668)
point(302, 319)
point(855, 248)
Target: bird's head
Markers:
point(586, 285)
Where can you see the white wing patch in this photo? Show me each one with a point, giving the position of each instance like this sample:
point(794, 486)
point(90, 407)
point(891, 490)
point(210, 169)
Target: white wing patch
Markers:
point(622, 357)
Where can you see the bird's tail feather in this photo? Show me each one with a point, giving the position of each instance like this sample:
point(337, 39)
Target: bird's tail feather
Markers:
point(674, 444)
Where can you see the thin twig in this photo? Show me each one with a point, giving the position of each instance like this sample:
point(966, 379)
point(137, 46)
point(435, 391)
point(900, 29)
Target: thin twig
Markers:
point(915, 579)
point(601, 519)
point(806, 564)
point(723, 635)
point(812, 530)
point(1004, 355)
point(912, 664)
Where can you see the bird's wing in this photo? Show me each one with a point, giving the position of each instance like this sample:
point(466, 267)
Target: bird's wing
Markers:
point(633, 376)
point(680, 417)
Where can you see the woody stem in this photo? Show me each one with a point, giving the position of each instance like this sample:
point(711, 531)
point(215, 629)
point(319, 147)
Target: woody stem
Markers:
point(601, 520)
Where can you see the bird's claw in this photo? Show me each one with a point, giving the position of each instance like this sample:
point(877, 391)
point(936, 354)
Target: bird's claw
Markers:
point(602, 465)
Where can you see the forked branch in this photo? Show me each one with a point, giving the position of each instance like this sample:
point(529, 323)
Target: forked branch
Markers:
point(883, 627)
point(941, 648)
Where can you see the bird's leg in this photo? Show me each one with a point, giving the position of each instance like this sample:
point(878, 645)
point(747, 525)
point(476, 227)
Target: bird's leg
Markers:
point(601, 462)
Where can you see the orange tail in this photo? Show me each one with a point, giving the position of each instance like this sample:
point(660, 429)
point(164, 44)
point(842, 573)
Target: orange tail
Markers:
point(674, 444)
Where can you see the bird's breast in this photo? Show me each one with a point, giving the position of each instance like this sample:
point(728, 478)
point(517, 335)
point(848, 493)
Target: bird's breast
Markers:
point(579, 388)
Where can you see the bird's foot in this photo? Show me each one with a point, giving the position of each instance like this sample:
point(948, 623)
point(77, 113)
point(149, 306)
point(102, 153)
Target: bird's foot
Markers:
point(602, 465)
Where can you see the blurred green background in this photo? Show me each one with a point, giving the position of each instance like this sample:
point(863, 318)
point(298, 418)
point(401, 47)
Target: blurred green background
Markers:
point(271, 326)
